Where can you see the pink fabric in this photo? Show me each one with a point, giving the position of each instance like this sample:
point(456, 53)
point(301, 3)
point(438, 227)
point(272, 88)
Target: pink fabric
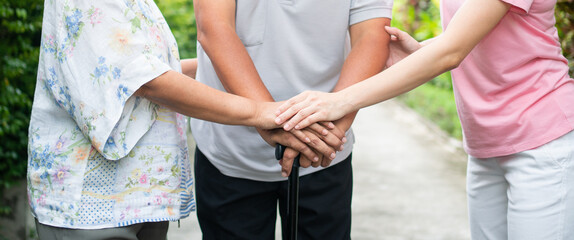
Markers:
point(513, 91)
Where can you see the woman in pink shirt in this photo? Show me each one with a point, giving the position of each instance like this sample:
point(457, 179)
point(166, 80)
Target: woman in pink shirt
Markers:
point(515, 101)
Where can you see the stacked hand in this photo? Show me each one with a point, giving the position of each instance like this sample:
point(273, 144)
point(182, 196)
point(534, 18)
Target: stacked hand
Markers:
point(300, 114)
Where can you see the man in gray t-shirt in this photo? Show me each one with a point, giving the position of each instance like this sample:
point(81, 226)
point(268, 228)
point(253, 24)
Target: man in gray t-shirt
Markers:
point(271, 50)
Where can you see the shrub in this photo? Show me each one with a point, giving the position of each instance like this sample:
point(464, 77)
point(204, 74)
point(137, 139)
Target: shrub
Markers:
point(20, 39)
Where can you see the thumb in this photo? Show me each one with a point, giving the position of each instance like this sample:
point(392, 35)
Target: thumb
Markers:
point(286, 164)
point(394, 32)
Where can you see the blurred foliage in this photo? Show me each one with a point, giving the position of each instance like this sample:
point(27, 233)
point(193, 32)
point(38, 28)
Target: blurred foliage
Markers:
point(21, 23)
point(435, 100)
point(181, 19)
point(565, 24)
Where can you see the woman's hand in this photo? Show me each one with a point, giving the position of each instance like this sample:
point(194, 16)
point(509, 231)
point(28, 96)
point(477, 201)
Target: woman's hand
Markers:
point(265, 114)
point(310, 107)
point(402, 45)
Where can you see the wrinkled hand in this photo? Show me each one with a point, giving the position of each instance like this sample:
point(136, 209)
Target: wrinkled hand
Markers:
point(402, 45)
point(335, 134)
point(310, 107)
point(317, 144)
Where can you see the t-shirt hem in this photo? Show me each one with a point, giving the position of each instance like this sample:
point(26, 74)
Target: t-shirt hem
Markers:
point(519, 6)
point(112, 225)
point(520, 147)
point(370, 13)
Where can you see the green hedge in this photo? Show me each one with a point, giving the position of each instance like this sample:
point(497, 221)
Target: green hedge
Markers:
point(20, 22)
point(565, 25)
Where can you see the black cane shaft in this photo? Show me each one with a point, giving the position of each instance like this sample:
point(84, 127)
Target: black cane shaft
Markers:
point(293, 196)
point(292, 193)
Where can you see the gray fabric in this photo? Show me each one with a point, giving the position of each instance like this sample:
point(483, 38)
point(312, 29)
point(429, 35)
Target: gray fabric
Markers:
point(296, 45)
point(141, 231)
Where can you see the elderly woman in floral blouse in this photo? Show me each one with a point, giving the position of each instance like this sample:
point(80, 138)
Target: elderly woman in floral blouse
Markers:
point(107, 150)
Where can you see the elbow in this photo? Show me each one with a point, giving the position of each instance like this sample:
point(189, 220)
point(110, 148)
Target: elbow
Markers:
point(452, 60)
point(154, 87)
point(201, 35)
point(209, 32)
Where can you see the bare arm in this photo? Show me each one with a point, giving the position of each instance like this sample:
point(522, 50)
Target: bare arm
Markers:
point(217, 36)
point(192, 98)
point(441, 55)
point(189, 67)
point(369, 52)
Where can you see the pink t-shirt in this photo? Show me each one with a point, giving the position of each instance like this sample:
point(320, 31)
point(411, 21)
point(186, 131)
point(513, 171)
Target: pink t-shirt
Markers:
point(513, 91)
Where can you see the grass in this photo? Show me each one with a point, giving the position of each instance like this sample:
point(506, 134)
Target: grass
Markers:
point(435, 101)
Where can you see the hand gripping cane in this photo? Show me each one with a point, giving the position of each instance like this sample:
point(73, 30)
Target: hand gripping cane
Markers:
point(292, 192)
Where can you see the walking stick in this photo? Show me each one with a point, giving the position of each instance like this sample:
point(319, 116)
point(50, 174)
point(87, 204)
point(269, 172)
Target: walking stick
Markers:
point(292, 193)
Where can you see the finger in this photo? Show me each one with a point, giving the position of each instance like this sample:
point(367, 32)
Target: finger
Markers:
point(326, 162)
point(318, 144)
point(318, 163)
point(289, 103)
point(393, 31)
point(291, 107)
point(305, 162)
point(304, 149)
point(304, 119)
point(289, 140)
point(332, 138)
point(286, 114)
point(287, 161)
point(319, 128)
point(295, 114)
point(329, 125)
point(303, 136)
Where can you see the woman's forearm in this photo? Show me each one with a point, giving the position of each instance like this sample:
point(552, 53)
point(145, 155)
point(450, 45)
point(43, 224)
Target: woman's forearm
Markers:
point(440, 55)
point(400, 77)
point(192, 98)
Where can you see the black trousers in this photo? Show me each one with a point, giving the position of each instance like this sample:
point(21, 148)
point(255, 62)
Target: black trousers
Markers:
point(236, 208)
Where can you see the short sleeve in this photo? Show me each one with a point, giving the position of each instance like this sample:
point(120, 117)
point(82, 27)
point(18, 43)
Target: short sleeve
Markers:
point(101, 53)
point(519, 6)
point(362, 10)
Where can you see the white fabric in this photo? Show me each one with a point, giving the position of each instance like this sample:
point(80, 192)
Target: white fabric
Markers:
point(527, 195)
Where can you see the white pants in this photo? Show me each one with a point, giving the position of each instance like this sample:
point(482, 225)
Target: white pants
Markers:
point(527, 195)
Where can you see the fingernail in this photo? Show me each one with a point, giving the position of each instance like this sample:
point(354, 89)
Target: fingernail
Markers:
point(307, 140)
point(333, 155)
point(315, 159)
point(286, 126)
point(341, 148)
point(284, 173)
point(277, 120)
point(297, 127)
point(344, 140)
point(325, 132)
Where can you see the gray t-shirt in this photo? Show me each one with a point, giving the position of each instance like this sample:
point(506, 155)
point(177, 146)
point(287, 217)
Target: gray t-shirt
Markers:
point(296, 45)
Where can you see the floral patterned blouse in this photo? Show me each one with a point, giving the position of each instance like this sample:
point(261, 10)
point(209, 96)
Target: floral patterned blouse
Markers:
point(98, 156)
